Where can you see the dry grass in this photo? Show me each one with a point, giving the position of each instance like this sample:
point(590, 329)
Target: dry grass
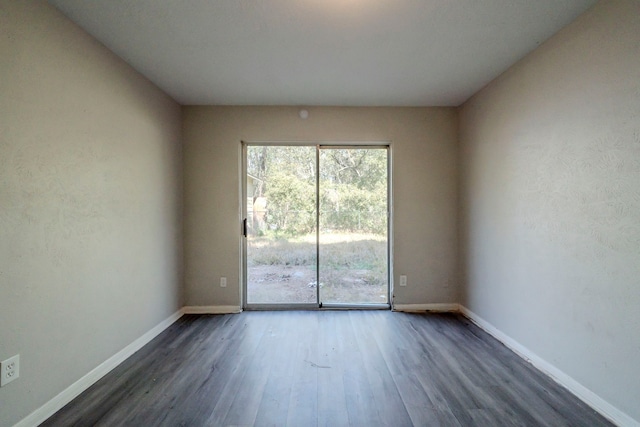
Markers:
point(271, 251)
point(338, 251)
point(353, 267)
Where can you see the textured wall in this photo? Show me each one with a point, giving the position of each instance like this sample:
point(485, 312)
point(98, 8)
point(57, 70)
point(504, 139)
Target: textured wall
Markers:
point(90, 204)
point(551, 202)
point(424, 144)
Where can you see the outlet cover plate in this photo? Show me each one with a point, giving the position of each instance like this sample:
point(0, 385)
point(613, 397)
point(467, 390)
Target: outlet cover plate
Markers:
point(9, 370)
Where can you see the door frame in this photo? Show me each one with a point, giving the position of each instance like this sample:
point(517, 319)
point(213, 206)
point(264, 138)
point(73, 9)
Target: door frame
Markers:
point(318, 305)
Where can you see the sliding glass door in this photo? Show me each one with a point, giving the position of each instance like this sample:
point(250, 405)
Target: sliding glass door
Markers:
point(353, 244)
point(281, 215)
point(316, 226)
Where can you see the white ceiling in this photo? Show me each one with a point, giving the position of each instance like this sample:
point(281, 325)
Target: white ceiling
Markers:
point(322, 52)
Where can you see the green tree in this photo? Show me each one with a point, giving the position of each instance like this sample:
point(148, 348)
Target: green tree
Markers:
point(290, 204)
point(352, 184)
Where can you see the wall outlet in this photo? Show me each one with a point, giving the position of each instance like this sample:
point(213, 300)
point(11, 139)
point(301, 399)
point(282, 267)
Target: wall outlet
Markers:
point(10, 370)
point(403, 280)
point(223, 282)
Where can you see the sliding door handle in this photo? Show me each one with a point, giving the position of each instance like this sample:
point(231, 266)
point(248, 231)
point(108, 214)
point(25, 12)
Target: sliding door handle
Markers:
point(244, 227)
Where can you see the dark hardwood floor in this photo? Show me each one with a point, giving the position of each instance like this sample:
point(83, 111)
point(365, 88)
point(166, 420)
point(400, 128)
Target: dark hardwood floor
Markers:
point(325, 368)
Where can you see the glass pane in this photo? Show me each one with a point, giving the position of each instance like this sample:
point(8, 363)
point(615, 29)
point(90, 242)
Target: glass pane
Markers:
point(353, 226)
point(281, 225)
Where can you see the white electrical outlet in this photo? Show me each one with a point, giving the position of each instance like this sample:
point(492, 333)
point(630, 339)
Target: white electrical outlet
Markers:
point(223, 282)
point(403, 280)
point(10, 370)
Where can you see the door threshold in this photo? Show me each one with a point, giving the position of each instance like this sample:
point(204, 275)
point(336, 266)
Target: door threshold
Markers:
point(323, 306)
point(348, 306)
point(279, 307)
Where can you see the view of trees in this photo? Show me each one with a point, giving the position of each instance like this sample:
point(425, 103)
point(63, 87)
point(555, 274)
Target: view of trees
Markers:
point(353, 188)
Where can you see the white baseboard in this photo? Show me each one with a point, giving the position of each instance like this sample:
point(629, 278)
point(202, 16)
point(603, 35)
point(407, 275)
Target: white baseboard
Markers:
point(421, 308)
point(587, 396)
point(67, 395)
point(212, 309)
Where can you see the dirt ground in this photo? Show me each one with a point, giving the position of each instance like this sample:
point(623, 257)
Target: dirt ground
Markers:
point(297, 284)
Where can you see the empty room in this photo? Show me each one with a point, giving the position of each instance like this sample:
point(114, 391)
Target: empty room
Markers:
point(319, 212)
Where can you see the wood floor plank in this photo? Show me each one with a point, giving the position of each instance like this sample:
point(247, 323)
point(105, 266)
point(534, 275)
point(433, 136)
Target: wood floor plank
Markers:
point(390, 407)
point(273, 409)
point(252, 335)
point(303, 401)
point(359, 399)
point(332, 403)
point(325, 368)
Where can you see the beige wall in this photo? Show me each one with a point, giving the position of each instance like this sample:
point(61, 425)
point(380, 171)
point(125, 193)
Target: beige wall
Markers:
point(551, 202)
point(90, 204)
point(424, 148)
